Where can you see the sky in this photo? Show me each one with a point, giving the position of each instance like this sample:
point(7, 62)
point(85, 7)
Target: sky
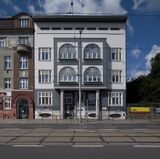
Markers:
point(143, 24)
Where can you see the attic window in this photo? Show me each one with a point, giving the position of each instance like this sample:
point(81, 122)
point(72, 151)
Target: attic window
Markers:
point(44, 28)
point(115, 28)
point(24, 23)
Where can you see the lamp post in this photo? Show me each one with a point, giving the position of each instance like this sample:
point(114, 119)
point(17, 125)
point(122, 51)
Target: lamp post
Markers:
point(80, 32)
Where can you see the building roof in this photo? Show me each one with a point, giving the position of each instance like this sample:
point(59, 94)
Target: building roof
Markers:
point(79, 18)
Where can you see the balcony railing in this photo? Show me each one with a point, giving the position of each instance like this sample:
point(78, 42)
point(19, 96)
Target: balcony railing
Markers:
point(23, 47)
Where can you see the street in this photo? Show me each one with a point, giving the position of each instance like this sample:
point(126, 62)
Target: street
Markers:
point(95, 140)
point(71, 152)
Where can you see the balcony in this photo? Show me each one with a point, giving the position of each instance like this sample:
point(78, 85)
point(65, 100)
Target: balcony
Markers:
point(23, 48)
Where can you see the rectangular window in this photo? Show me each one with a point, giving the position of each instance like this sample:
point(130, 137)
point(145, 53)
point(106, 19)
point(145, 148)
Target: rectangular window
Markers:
point(115, 99)
point(45, 98)
point(103, 28)
point(24, 23)
point(7, 62)
point(56, 28)
point(2, 42)
point(44, 76)
point(116, 76)
point(7, 104)
point(44, 28)
point(91, 28)
point(44, 54)
point(23, 40)
point(7, 83)
point(23, 83)
point(23, 62)
point(116, 54)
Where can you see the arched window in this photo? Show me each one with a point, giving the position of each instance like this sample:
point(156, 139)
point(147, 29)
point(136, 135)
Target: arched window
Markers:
point(92, 51)
point(67, 74)
point(92, 74)
point(67, 51)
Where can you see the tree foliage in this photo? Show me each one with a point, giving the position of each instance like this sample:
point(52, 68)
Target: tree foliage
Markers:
point(146, 88)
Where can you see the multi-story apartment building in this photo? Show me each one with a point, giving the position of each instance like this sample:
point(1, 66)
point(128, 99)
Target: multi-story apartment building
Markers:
point(16, 67)
point(80, 66)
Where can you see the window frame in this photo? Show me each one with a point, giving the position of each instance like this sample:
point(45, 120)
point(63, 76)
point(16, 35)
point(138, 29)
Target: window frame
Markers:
point(44, 54)
point(116, 76)
point(23, 40)
point(24, 23)
point(2, 42)
point(7, 63)
point(45, 98)
point(7, 83)
point(116, 54)
point(92, 78)
point(7, 104)
point(69, 78)
point(90, 56)
point(67, 55)
point(115, 98)
point(24, 62)
point(44, 76)
point(23, 83)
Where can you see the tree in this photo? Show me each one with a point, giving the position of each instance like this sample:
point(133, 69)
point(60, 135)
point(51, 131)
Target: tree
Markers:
point(146, 88)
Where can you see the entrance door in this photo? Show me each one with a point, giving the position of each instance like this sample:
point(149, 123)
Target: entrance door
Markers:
point(23, 109)
point(69, 105)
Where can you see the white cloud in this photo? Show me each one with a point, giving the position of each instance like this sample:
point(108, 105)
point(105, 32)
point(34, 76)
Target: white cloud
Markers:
point(130, 27)
point(83, 6)
point(138, 72)
point(31, 9)
point(146, 5)
point(136, 53)
point(16, 8)
point(155, 50)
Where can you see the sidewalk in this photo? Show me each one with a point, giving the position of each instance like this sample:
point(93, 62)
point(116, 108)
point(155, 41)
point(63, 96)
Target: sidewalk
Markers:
point(73, 121)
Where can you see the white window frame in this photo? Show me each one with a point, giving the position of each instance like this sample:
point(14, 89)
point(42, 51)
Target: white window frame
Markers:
point(116, 54)
point(23, 40)
point(45, 98)
point(44, 54)
point(7, 83)
point(44, 76)
point(2, 42)
point(23, 83)
point(7, 62)
point(116, 76)
point(24, 23)
point(91, 55)
point(23, 62)
point(7, 104)
point(115, 99)
point(65, 55)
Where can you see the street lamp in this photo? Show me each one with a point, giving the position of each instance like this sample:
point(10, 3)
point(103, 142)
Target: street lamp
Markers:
point(80, 32)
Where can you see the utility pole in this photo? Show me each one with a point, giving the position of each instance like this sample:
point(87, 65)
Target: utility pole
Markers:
point(80, 53)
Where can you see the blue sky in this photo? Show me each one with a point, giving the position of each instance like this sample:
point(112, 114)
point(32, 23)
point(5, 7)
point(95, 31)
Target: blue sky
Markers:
point(143, 33)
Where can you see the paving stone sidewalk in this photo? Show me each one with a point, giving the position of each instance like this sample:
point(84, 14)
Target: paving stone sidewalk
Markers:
point(46, 136)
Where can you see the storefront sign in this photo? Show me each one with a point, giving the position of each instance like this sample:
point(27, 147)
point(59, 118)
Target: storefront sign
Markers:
point(157, 110)
point(139, 109)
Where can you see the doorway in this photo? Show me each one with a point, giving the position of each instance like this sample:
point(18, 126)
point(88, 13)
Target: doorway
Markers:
point(23, 109)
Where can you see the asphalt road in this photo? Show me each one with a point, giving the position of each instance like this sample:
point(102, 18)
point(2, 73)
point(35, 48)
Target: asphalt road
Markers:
point(69, 124)
point(81, 152)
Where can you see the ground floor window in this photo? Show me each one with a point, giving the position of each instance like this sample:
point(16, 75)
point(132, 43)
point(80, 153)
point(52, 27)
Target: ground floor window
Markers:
point(45, 98)
point(7, 104)
point(115, 98)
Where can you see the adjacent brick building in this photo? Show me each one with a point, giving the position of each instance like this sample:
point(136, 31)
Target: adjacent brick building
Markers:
point(16, 67)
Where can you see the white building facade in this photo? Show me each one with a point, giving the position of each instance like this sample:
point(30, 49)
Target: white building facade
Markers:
point(80, 66)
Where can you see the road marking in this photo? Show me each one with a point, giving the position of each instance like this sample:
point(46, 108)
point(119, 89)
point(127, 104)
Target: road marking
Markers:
point(89, 146)
point(146, 146)
point(27, 146)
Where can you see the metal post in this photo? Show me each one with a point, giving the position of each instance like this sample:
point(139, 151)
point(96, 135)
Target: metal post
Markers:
point(80, 32)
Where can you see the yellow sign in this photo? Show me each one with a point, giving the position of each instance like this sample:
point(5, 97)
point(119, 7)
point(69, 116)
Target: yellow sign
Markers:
point(139, 109)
